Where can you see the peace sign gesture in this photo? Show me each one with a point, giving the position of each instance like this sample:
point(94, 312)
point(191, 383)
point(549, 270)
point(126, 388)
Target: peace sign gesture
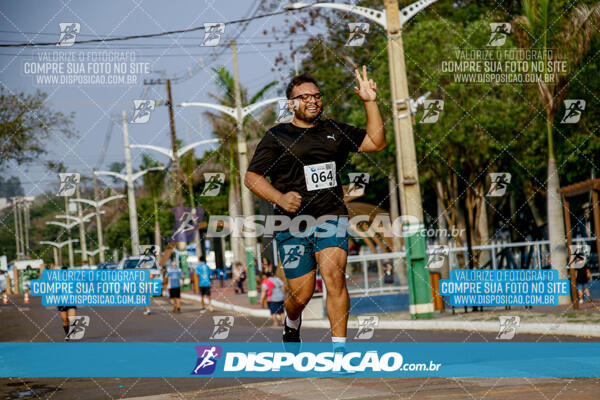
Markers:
point(367, 87)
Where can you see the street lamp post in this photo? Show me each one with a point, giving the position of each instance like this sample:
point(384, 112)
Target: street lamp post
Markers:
point(238, 114)
point(92, 253)
point(175, 158)
point(129, 178)
point(56, 246)
point(67, 226)
point(97, 205)
point(392, 19)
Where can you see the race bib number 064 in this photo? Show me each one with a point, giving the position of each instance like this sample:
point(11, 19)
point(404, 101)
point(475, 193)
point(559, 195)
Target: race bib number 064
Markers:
point(320, 176)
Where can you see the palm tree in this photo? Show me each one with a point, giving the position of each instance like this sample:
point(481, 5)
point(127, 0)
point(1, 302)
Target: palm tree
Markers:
point(571, 39)
point(154, 182)
point(225, 128)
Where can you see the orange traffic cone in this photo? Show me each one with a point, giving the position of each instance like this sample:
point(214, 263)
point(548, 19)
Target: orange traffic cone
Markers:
point(26, 298)
point(4, 298)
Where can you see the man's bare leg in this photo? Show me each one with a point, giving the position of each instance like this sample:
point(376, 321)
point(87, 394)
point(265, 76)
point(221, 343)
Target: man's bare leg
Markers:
point(300, 291)
point(332, 264)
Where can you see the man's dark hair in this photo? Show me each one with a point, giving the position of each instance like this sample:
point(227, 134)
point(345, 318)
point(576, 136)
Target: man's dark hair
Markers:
point(298, 80)
point(202, 258)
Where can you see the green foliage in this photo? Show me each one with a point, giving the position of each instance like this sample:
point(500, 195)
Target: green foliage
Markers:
point(117, 234)
point(10, 187)
point(26, 123)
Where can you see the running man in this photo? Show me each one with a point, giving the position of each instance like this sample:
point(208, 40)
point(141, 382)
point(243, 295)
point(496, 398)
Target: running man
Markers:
point(173, 278)
point(302, 159)
point(203, 272)
point(67, 313)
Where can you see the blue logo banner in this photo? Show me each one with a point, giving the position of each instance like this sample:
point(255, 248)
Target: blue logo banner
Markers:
point(203, 360)
point(506, 287)
point(100, 287)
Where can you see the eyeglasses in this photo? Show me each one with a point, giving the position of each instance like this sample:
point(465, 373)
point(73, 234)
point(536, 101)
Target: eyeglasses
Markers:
point(306, 97)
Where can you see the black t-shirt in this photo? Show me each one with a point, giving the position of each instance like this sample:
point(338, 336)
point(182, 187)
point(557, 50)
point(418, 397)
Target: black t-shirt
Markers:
point(285, 151)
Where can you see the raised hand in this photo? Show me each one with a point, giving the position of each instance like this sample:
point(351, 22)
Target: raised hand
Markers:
point(367, 88)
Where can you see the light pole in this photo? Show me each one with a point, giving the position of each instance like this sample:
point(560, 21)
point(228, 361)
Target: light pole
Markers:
point(129, 178)
point(392, 19)
point(238, 114)
point(174, 157)
point(93, 252)
point(81, 220)
point(67, 226)
point(56, 246)
point(97, 205)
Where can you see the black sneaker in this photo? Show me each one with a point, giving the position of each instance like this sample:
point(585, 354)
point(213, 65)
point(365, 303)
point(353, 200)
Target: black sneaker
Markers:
point(291, 338)
point(291, 334)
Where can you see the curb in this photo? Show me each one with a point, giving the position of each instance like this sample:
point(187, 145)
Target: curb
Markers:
point(592, 330)
point(553, 329)
point(230, 307)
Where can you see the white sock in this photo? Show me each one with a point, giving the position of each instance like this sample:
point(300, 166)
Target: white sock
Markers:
point(336, 339)
point(292, 323)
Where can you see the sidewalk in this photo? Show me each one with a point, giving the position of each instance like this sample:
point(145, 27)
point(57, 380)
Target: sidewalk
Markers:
point(557, 320)
point(225, 298)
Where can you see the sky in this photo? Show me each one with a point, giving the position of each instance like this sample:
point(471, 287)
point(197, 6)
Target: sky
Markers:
point(98, 108)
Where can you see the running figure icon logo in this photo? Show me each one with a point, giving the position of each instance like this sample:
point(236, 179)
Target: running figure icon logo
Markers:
point(437, 256)
point(433, 110)
point(68, 184)
point(213, 183)
point(148, 252)
point(358, 183)
point(366, 326)
point(573, 110)
point(499, 33)
point(77, 325)
point(212, 33)
point(579, 254)
point(207, 359)
point(223, 324)
point(508, 326)
point(284, 115)
point(292, 255)
point(498, 184)
point(141, 110)
point(68, 33)
point(358, 31)
point(186, 223)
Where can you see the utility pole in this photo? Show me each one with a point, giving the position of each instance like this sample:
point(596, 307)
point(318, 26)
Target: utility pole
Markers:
point(181, 246)
point(98, 219)
point(21, 226)
point(421, 304)
point(82, 238)
point(71, 260)
point(17, 234)
point(133, 221)
point(176, 167)
point(26, 205)
point(249, 242)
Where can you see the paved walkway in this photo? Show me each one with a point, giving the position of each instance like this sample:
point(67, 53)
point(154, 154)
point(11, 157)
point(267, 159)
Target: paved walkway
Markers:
point(401, 388)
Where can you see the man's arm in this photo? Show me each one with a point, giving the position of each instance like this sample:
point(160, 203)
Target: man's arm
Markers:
point(259, 185)
point(367, 91)
point(375, 138)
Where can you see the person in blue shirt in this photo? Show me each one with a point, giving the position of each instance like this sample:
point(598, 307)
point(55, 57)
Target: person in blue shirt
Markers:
point(173, 278)
point(203, 272)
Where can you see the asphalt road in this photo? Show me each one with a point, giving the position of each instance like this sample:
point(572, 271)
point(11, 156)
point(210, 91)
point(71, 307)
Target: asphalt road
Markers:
point(35, 323)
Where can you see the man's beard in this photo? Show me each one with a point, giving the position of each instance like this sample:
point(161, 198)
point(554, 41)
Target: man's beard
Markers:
point(306, 118)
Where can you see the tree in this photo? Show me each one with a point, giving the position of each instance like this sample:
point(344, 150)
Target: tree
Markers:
point(571, 39)
point(224, 127)
point(26, 123)
point(11, 187)
point(154, 183)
